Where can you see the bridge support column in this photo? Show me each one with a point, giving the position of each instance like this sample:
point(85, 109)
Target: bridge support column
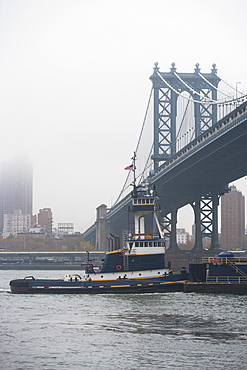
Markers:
point(206, 221)
point(101, 228)
point(173, 234)
point(198, 230)
point(215, 236)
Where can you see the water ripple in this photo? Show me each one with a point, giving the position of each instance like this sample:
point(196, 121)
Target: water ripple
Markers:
point(149, 331)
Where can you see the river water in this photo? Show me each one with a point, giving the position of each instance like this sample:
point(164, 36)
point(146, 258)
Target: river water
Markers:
point(134, 331)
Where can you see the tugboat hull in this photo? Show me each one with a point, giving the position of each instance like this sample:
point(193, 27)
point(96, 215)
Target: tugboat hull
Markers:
point(32, 286)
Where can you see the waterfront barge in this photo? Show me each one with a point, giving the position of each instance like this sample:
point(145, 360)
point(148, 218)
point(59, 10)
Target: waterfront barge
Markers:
point(225, 274)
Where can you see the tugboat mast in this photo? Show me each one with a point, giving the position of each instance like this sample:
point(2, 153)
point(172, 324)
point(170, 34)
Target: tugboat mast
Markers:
point(144, 202)
point(134, 173)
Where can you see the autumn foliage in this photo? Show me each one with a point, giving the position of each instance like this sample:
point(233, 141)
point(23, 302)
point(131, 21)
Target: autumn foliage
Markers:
point(29, 243)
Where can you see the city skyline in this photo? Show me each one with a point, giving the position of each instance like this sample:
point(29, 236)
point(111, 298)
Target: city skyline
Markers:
point(186, 213)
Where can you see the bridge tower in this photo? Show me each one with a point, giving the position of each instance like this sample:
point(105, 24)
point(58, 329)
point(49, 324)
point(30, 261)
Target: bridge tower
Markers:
point(202, 90)
point(167, 87)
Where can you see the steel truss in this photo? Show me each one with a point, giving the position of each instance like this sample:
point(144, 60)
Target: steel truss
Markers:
point(167, 87)
point(206, 220)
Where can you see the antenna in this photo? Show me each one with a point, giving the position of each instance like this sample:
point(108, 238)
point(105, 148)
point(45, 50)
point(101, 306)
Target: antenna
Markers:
point(134, 173)
point(134, 166)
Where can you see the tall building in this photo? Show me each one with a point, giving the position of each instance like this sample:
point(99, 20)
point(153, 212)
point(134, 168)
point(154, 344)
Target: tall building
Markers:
point(16, 187)
point(232, 220)
point(45, 219)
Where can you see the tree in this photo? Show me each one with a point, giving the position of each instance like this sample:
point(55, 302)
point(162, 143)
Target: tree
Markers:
point(31, 243)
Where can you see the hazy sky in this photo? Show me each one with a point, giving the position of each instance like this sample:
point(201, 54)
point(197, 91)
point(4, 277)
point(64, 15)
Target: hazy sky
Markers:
point(74, 85)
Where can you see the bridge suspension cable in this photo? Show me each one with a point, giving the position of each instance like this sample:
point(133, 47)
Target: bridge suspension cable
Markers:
point(241, 92)
point(125, 186)
point(189, 87)
point(144, 120)
point(147, 165)
point(182, 120)
point(216, 88)
point(210, 102)
point(204, 100)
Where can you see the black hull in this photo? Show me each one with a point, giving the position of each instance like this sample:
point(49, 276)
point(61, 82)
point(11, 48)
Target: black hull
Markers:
point(214, 288)
point(33, 286)
point(174, 287)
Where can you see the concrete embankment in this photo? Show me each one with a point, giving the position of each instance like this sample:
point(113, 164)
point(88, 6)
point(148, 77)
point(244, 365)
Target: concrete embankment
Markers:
point(75, 267)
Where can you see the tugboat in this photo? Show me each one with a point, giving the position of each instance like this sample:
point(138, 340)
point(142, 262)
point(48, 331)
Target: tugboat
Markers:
point(139, 267)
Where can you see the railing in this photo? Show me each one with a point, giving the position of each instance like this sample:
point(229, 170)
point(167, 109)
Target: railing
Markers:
point(226, 279)
point(225, 124)
point(236, 268)
point(231, 261)
point(225, 260)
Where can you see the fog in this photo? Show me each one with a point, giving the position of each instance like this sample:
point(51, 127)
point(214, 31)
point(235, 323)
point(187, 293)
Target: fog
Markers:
point(74, 86)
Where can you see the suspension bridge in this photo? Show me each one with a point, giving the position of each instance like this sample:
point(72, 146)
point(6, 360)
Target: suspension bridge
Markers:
point(191, 146)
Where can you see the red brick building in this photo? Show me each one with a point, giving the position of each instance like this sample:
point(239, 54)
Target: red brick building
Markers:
point(45, 219)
